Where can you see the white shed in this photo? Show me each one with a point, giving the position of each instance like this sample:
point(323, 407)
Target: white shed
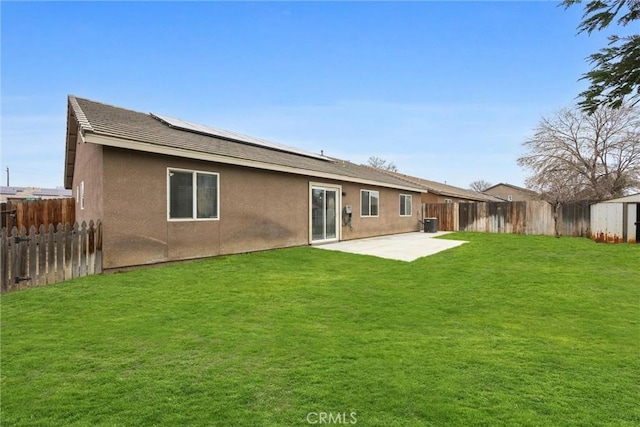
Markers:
point(616, 220)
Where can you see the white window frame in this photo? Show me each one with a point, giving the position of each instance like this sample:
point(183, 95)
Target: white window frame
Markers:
point(377, 196)
point(410, 210)
point(82, 195)
point(194, 208)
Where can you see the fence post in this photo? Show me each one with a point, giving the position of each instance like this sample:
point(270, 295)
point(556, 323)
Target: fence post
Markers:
point(33, 258)
point(74, 251)
point(42, 256)
point(59, 254)
point(4, 259)
point(98, 267)
point(15, 258)
point(83, 249)
point(68, 238)
point(51, 258)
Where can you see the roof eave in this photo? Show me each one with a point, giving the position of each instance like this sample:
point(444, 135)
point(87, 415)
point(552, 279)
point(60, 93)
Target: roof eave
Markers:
point(107, 140)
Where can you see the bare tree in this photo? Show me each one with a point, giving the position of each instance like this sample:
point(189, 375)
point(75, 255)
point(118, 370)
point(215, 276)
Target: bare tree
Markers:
point(574, 155)
point(379, 163)
point(480, 185)
point(557, 187)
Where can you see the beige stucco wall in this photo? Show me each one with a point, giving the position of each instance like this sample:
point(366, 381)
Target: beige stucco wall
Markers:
point(88, 168)
point(258, 210)
point(388, 220)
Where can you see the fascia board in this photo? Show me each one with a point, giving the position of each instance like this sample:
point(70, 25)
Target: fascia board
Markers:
point(196, 155)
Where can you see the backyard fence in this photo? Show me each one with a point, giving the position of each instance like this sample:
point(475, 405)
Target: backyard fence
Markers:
point(34, 213)
point(49, 255)
point(531, 217)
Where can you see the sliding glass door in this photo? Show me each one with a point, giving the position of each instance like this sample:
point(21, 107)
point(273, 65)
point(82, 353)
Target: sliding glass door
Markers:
point(324, 213)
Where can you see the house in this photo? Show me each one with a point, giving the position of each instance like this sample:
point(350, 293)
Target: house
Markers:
point(166, 189)
point(444, 193)
point(437, 192)
point(616, 220)
point(511, 193)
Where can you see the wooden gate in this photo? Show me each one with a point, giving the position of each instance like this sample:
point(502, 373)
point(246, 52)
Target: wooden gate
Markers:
point(49, 255)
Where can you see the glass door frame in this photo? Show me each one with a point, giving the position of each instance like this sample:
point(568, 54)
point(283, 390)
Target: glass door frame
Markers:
point(338, 208)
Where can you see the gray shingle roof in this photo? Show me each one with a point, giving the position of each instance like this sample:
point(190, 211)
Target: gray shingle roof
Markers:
point(110, 121)
point(445, 189)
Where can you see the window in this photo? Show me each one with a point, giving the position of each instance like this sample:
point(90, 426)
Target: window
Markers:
point(192, 195)
point(448, 201)
point(510, 198)
point(369, 203)
point(82, 195)
point(405, 205)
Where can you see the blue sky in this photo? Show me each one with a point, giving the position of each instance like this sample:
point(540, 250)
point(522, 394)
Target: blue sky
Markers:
point(447, 91)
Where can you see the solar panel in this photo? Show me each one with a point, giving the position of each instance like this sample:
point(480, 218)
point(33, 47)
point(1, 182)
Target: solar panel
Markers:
point(221, 133)
point(52, 192)
point(8, 191)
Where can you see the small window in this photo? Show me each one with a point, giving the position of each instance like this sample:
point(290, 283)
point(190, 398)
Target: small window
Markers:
point(369, 203)
point(510, 198)
point(82, 195)
point(192, 195)
point(405, 205)
point(448, 201)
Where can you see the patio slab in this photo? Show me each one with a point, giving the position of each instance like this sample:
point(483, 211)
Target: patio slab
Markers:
point(403, 247)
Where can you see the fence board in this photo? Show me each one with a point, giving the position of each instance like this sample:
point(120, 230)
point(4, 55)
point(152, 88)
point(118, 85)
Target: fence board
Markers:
point(42, 256)
point(83, 249)
point(75, 254)
point(67, 251)
point(51, 260)
point(48, 255)
point(98, 242)
point(25, 213)
point(4, 247)
point(33, 265)
point(59, 254)
point(15, 257)
point(532, 217)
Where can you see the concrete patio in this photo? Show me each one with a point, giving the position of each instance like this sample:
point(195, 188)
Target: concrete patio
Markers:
point(403, 247)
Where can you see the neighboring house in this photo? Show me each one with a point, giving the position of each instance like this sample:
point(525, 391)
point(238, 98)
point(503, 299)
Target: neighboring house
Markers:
point(32, 193)
point(512, 193)
point(437, 192)
point(616, 220)
point(167, 190)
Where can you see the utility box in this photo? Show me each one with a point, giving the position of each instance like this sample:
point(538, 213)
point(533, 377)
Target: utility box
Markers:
point(430, 225)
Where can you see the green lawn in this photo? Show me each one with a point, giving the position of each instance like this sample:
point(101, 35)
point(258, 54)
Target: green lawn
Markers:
point(504, 330)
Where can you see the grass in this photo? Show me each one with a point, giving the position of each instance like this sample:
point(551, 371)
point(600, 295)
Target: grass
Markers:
point(504, 330)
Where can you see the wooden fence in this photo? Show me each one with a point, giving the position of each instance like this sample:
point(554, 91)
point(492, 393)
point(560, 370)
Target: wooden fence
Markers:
point(533, 217)
point(49, 255)
point(34, 213)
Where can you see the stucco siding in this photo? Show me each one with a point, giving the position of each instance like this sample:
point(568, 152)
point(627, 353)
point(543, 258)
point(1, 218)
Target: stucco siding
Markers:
point(262, 210)
point(388, 220)
point(135, 211)
point(88, 170)
point(258, 210)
